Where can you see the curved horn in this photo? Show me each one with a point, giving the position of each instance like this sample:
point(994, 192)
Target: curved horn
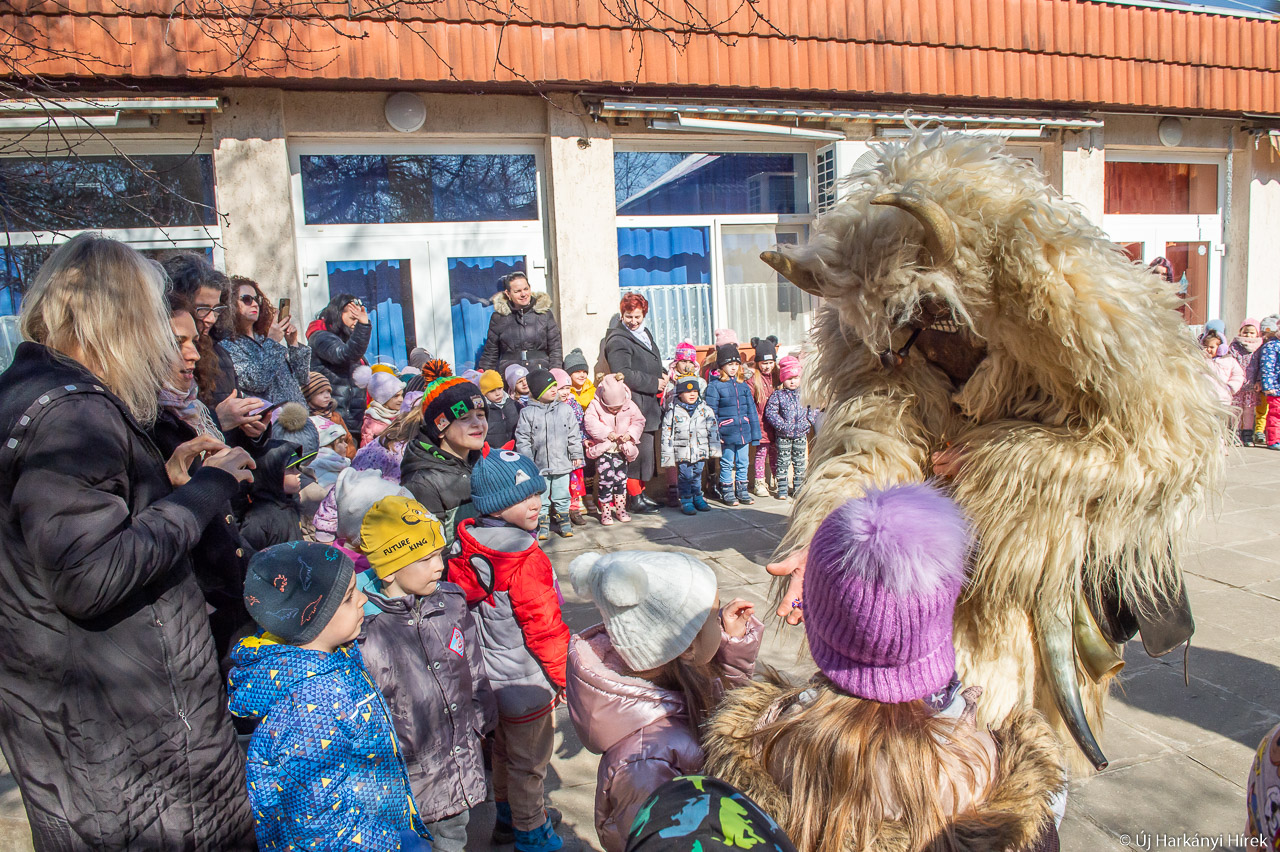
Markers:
point(939, 232)
point(1096, 654)
point(792, 271)
point(1058, 659)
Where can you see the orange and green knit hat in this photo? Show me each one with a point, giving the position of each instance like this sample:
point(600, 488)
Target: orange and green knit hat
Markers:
point(445, 400)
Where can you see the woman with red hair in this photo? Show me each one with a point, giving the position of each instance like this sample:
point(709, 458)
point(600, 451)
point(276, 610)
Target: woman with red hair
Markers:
point(633, 354)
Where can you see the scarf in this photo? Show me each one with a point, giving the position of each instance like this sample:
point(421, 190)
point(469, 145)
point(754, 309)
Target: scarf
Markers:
point(190, 410)
point(640, 335)
point(689, 406)
point(1248, 344)
point(380, 412)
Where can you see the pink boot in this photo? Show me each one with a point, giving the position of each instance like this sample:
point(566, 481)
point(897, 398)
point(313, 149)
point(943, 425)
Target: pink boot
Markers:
point(606, 514)
point(620, 509)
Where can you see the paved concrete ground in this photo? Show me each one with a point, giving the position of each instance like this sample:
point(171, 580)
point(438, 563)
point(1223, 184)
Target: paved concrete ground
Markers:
point(1179, 754)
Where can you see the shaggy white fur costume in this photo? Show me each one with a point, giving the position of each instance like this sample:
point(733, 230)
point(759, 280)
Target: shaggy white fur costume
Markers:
point(1090, 429)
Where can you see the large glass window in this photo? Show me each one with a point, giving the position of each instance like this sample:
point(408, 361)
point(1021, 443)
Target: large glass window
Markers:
point(758, 300)
point(1161, 188)
point(76, 193)
point(649, 183)
point(413, 188)
point(386, 289)
point(671, 267)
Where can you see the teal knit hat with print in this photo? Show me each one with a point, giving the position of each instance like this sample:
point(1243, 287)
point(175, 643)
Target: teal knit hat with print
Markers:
point(501, 479)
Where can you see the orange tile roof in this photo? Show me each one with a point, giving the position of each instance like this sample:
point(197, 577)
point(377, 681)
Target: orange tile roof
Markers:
point(1073, 52)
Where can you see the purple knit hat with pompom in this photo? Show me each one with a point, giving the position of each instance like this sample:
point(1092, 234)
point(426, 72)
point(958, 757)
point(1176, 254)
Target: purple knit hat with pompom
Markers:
point(880, 588)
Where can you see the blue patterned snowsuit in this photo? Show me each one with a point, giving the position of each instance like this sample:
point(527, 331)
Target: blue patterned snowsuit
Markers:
point(324, 769)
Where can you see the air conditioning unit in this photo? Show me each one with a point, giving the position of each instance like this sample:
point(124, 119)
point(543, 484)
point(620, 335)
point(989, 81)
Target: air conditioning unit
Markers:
point(834, 163)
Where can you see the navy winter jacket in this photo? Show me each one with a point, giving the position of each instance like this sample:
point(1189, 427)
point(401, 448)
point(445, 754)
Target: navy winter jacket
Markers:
point(735, 411)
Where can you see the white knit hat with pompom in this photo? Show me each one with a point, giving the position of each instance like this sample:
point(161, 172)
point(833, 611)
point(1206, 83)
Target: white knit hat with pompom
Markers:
point(654, 603)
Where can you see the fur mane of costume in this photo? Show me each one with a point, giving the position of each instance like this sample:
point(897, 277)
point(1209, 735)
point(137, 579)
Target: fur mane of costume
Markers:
point(967, 305)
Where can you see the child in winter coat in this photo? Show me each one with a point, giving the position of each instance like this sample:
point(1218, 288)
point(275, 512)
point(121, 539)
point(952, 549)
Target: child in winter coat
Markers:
point(1269, 380)
point(1246, 343)
point(880, 587)
point(641, 684)
point(548, 433)
point(421, 646)
point(791, 423)
point(319, 394)
point(501, 410)
point(685, 363)
point(584, 390)
point(1268, 328)
point(731, 402)
point(324, 767)
point(386, 391)
point(1228, 372)
point(688, 438)
point(331, 459)
point(512, 592)
point(762, 381)
point(517, 376)
point(614, 426)
point(1262, 792)
point(577, 479)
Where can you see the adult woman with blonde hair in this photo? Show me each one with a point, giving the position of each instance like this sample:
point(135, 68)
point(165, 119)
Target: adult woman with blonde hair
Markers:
point(112, 712)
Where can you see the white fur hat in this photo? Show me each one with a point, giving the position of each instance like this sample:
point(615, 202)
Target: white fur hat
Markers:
point(355, 492)
point(653, 602)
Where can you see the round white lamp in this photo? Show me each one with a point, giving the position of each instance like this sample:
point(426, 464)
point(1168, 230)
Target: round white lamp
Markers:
point(405, 112)
point(1170, 132)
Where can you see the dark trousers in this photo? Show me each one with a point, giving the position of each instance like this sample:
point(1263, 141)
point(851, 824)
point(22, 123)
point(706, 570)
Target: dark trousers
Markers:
point(644, 466)
point(689, 480)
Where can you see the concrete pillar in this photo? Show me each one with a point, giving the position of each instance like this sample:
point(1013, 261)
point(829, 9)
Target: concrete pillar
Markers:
point(255, 207)
point(1253, 252)
point(1084, 171)
point(583, 224)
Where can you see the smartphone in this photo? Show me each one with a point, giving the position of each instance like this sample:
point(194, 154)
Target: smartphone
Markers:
point(282, 312)
point(301, 460)
point(266, 410)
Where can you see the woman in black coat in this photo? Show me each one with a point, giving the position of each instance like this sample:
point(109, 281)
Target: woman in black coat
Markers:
point(337, 349)
point(112, 711)
point(630, 349)
point(521, 330)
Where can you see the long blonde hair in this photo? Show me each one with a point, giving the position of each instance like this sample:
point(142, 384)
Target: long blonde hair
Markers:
point(104, 302)
point(848, 764)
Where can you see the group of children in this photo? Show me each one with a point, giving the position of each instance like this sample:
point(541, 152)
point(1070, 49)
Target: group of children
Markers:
point(1248, 376)
point(373, 706)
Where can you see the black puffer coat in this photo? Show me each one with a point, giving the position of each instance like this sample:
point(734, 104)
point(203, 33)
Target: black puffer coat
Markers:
point(335, 358)
point(528, 336)
point(268, 515)
point(112, 711)
point(440, 481)
point(424, 654)
point(221, 556)
point(640, 367)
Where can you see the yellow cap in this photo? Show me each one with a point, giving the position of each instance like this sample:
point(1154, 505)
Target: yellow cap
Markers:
point(490, 381)
point(396, 532)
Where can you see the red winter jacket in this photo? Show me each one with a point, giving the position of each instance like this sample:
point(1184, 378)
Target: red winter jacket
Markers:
point(511, 589)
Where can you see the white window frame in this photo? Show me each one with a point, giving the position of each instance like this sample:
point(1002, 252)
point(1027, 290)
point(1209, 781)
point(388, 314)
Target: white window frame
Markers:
point(196, 237)
point(703, 144)
point(1177, 227)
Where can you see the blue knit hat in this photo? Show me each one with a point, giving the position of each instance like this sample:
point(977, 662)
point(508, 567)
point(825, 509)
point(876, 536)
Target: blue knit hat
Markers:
point(501, 479)
point(293, 589)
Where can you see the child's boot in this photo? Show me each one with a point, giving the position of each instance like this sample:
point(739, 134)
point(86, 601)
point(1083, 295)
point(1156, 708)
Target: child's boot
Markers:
point(727, 494)
point(620, 509)
point(606, 513)
point(544, 528)
point(504, 831)
point(744, 493)
point(541, 839)
point(782, 490)
point(686, 506)
point(564, 527)
point(700, 503)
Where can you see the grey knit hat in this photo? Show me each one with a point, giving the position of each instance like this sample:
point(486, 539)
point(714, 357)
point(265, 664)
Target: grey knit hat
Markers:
point(575, 361)
point(654, 603)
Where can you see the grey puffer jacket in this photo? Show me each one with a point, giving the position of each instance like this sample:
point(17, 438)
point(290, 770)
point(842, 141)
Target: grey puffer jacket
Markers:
point(548, 433)
point(641, 730)
point(112, 713)
point(424, 654)
point(689, 436)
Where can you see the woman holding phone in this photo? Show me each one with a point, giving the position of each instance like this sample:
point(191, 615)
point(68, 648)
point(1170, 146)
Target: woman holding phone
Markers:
point(112, 713)
point(339, 348)
point(269, 361)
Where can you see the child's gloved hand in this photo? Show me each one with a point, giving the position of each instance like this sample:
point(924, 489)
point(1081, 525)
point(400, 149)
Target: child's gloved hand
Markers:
point(735, 617)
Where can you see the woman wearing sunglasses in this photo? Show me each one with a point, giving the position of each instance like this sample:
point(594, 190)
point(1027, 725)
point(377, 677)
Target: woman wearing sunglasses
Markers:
point(269, 361)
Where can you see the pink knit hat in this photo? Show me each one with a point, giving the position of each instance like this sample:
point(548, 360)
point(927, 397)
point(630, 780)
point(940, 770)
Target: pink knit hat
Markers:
point(725, 335)
point(1249, 321)
point(612, 392)
point(686, 351)
point(562, 378)
point(880, 588)
point(788, 367)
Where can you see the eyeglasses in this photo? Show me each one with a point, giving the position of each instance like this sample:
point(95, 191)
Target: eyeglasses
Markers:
point(246, 299)
point(356, 302)
point(201, 313)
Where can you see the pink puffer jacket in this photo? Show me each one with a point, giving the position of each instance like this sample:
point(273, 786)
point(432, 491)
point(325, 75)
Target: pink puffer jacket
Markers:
point(600, 423)
point(640, 729)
